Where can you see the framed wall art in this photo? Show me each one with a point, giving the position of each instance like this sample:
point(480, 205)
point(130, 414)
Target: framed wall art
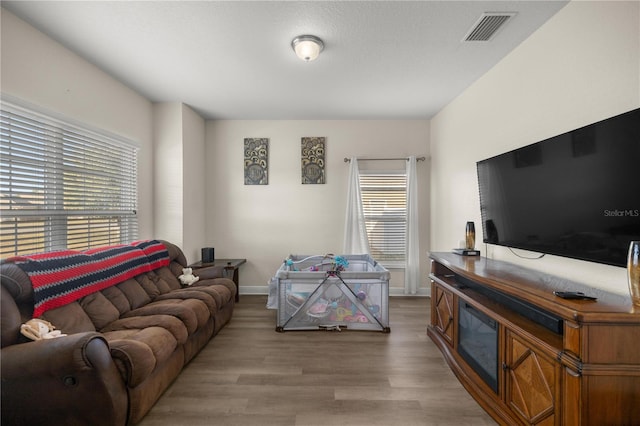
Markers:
point(312, 160)
point(256, 161)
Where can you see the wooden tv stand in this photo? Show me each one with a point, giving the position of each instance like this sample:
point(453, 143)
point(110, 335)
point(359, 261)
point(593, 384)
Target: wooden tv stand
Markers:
point(585, 373)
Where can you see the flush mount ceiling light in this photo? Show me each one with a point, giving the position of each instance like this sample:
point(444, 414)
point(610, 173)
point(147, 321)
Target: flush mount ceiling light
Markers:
point(307, 47)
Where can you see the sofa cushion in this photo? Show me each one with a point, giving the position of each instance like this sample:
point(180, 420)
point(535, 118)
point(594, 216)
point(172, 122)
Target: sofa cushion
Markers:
point(176, 268)
point(134, 293)
point(161, 284)
point(220, 293)
point(206, 298)
point(174, 325)
point(69, 319)
point(218, 283)
point(99, 309)
point(190, 312)
point(117, 298)
point(138, 351)
point(169, 277)
point(147, 284)
point(17, 283)
point(159, 281)
point(198, 307)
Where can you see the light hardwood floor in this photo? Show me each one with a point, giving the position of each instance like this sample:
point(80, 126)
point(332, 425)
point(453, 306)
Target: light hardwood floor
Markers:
point(249, 374)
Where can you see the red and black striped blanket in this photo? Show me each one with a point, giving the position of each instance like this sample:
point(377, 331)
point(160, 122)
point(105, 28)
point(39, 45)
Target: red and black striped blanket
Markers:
point(61, 277)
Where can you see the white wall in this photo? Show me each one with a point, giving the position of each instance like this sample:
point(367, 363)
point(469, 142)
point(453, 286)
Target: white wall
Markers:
point(179, 135)
point(194, 183)
point(168, 172)
point(582, 66)
point(265, 223)
point(42, 72)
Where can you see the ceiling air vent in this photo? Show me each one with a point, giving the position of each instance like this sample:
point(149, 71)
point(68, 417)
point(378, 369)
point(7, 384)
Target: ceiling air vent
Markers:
point(488, 25)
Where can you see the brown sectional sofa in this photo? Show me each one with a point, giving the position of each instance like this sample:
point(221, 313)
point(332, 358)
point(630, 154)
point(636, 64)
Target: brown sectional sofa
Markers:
point(125, 344)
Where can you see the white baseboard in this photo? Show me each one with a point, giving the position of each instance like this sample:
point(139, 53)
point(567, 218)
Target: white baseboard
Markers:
point(393, 291)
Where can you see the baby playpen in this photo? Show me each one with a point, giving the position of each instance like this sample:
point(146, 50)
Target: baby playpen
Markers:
point(331, 292)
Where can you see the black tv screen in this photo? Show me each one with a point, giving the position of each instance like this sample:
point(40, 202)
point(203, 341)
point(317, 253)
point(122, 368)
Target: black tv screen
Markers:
point(575, 195)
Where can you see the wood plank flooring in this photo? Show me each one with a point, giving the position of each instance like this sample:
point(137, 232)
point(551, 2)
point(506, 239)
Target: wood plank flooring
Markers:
point(252, 375)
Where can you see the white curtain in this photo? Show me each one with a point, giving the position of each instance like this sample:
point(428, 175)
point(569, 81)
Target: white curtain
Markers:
point(412, 270)
point(355, 231)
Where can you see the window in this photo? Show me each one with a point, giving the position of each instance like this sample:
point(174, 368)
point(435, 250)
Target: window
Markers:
point(384, 202)
point(63, 186)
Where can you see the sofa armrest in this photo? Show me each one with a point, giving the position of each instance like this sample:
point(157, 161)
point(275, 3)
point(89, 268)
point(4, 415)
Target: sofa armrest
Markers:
point(209, 272)
point(75, 376)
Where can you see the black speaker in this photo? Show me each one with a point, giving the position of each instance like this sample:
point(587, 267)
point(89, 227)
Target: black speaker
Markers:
point(208, 255)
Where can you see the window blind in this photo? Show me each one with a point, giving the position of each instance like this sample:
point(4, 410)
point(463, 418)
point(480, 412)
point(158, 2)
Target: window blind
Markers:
point(384, 202)
point(62, 186)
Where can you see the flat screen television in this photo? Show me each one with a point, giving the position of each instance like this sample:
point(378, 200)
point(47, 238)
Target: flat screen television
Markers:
point(575, 195)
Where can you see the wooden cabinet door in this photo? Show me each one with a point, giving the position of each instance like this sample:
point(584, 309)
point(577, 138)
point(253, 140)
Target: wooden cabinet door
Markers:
point(444, 313)
point(532, 383)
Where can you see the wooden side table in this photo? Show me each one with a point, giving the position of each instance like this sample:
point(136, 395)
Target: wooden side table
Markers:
point(231, 267)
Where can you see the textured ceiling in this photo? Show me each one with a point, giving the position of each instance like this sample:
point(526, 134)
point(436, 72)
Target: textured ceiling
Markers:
point(233, 60)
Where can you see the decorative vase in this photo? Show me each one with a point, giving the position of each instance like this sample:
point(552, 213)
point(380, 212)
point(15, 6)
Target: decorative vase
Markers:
point(633, 271)
point(470, 236)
